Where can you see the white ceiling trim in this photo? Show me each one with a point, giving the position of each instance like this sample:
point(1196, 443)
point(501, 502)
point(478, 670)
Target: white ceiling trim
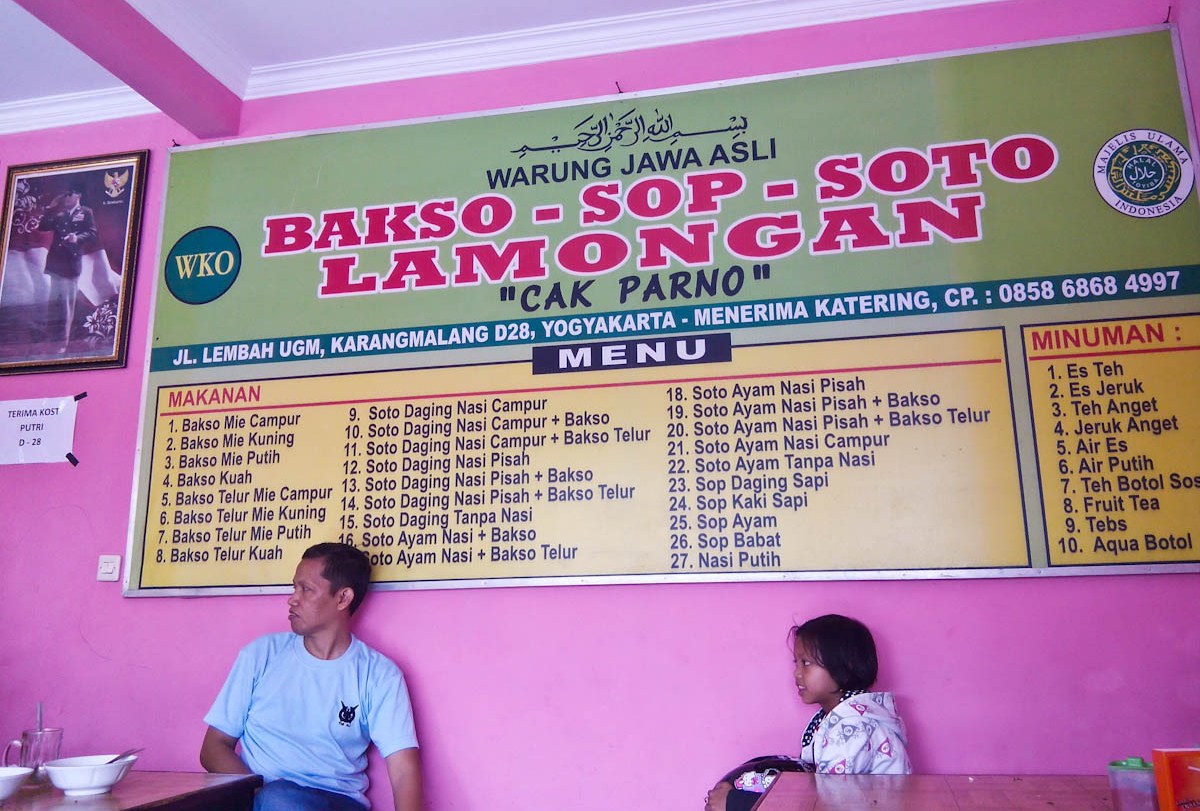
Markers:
point(50, 112)
point(724, 18)
point(531, 46)
point(187, 30)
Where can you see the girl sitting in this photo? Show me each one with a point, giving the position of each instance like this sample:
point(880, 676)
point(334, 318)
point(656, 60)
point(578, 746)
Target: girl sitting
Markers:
point(854, 732)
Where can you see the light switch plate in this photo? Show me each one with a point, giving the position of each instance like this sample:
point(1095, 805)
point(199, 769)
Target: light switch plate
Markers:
point(110, 568)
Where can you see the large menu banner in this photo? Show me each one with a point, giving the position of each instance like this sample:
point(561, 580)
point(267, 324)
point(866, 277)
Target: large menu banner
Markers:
point(917, 319)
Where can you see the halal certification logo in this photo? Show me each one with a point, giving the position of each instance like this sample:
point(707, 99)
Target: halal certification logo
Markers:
point(1144, 173)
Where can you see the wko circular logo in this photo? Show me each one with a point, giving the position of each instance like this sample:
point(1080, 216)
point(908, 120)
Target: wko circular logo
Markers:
point(1144, 173)
point(203, 264)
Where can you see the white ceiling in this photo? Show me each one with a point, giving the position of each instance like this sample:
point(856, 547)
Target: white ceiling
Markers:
point(260, 48)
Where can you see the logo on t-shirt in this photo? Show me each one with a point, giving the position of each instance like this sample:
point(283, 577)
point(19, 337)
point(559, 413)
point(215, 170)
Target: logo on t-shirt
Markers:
point(346, 714)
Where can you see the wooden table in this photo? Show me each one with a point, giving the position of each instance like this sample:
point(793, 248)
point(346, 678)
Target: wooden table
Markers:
point(141, 791)
point(794, 791)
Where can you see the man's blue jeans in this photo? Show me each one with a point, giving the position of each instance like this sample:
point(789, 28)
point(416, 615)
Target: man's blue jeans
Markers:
point(284, 795)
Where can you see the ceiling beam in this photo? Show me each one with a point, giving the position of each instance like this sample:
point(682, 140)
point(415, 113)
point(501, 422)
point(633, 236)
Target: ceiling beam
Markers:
point(125, 44)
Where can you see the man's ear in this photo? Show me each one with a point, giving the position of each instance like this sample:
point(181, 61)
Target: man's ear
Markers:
point(345, 596)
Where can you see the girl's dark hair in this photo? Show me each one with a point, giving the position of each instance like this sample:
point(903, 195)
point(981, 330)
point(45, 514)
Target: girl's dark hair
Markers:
point(843, 646)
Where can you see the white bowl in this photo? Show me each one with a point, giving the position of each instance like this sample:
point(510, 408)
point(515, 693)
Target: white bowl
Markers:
point(11, 778)
point(89, 774)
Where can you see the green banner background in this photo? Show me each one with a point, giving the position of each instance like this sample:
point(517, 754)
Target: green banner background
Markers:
point(1075, 94)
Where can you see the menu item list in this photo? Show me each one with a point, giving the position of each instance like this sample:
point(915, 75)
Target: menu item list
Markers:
point(1112, 404)
point(860, 454)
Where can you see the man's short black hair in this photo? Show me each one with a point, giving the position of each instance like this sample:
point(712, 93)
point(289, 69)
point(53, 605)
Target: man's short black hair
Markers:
point(345, 566)
point(76, 187)
point(843, 646)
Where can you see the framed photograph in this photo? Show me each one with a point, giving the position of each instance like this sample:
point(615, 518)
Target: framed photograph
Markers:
point(70, 243)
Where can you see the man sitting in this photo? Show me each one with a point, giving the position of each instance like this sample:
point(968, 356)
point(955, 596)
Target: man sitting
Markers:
point(307, 704)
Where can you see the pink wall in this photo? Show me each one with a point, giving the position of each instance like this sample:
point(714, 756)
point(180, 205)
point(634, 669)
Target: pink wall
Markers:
point(604, 696)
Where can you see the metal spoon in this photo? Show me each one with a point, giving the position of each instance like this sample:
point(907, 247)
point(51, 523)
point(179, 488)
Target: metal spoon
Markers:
point(124, 755)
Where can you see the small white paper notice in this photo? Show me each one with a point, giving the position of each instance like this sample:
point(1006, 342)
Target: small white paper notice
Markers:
point(36, 430)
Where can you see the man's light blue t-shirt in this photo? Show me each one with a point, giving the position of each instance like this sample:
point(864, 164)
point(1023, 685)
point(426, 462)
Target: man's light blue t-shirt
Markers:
point(311, 720)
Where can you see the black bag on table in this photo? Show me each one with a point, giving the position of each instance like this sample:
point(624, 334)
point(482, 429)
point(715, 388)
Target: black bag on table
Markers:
point(751, 779)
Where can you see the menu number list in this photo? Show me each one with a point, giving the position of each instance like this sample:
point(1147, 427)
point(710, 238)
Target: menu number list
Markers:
point(870, 454)
point(1114, 405)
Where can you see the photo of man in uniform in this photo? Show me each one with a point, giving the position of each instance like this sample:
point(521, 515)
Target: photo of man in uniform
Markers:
point(69, 245)
point(74, 229)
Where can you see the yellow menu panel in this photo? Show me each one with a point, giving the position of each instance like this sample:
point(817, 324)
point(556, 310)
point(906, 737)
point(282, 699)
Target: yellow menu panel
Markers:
point(866, 454)
point(1113, 405)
